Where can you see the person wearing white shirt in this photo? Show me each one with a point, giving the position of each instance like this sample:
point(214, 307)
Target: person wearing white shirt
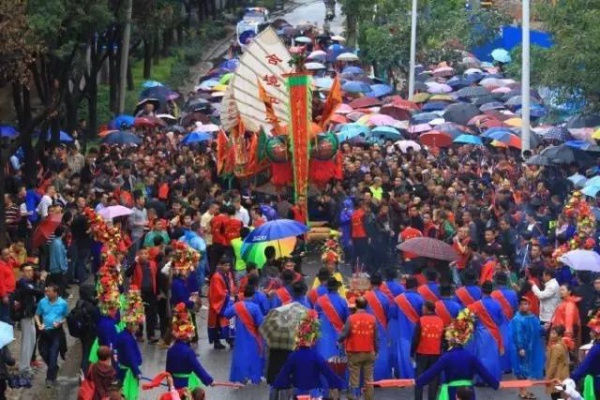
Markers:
point(240, 212)
point(46, 201)
point(549, 297)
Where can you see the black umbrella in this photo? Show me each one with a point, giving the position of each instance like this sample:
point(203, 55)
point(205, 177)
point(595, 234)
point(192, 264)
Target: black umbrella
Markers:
point(472, 91)
point(460, 113)
point(580, 121)
point(485, 99)
point(559, 133)
point(420, 86)
point(196, 104)
point(564, 154)
point(517, 92)
point(537, 160)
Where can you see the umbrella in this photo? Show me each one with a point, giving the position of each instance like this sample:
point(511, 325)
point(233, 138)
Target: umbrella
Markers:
point(230, 65)
point(435, 106)
point(578, 179)
point(419, 128)
point(472, 91)
point(495, 130)
point(494, 105)
point(207, 85)
point(280, 326)
point(352, 69)
point(442, 97)
point(481, 100)
point(140, 105)
point(224, 80)
point(115, 212)
point(161, 93)
point(380, 90)
point(256, 252)
point(347, 57)
point(423, 118)
point(430, 248)
point(460, 113)
point(8, 131)
point(364, 102)
point(537, 160)
point(323, 83)
point(122, 122)
point(458, 82)
point(63, 136)
point(338, 38)
point(151, 84)
point(581, 260)
point(468, 139)
point(121, 138)
point(277, 229)
point(355, 115)
point(303, 39)
point(501, 55)
point(581, 121)
point(396, 112)
point(435, 139)
point(350, 131)
point(387, 132)
point(313, 66)
point(168, 118)
point(107, 132)
point(452, 129)
point(420, 98)
point(343, 109)
point(510, 139)
point(206, 128)
point(381, 120)
point(317, 55)
point(591, 190)
point(404, 145)
point(7, 334)
point(514, 101)
point(148, 122)
point(435, 87)
point(356, 87)
point(196, 137)
point(443, 71)
point(564, 154)
point(491, 82)
point(45, 229)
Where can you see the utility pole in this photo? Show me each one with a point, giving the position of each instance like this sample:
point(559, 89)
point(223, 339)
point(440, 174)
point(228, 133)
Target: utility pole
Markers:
point(125, 56)
point(413, 50)
point(525, 81)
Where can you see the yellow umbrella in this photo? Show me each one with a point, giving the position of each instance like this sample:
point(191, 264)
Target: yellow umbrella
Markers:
point(364, 120)
point(420, 97)
point(219, 88)
point(596, 135)
point(516, 122)
point(441, 97)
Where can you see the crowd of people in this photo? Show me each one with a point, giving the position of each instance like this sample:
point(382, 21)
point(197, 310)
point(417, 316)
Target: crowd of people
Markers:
point(147, 231)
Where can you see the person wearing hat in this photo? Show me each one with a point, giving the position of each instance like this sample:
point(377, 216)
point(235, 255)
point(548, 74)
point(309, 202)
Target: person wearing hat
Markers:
point(446, 307)
point(333, 312)
point(126, 346)
point(378, 305)
point(405, 313)
point(470, 292)
point(247, 361)
point(321, 289)
point(457, 334)
point(526, 348)
point(488, 344)
point(182, 362)
point(220, 295)
point(589, 368)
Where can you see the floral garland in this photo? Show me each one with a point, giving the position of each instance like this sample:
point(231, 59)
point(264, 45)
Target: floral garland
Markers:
point(308, 330)
point(134, 310)
point(578, 209)
point(461, 329)
point(182, 326)
point(110, 237)
point(184, 257)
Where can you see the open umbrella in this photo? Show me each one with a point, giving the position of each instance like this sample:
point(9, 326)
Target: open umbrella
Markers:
point(380, 90)
point(404, 145)
point(142, 103)
point(280, 326)
point(581, 260)
point(356, 87)
point(8, 131)
point(347, 57)
point(564, 154)
point(452, 129)
point(196, 137)
point(255, 252)
point(277, 229)
point(7, 334)
point(591, 190)
point(318, 55)
point(435, 139)
point(364, 102)
point(323, 83)
point(45, 229)
point(121, 138)
point(435, 87)
point(494, 105)
point(423, 118)
point(303, 39)
point(430, 248)
point(122, 122)
point(387, 133)
point(435, 106)
point(472, 91)
point(352, 69)
point(350, 131)
point(537, 160)
point(396, 112)
point(313, 66)
point(115, 212)
point(151, 84)
point(501, 55)
point(460, 113)
point(419, 128)
point(381, 120)
point(148, 122)
point(63, 136)
point(578, 180)
point(468, 139)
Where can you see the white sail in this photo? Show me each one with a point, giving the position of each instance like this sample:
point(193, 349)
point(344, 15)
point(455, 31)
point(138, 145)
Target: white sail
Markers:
point(229, 112)
point(266, 59)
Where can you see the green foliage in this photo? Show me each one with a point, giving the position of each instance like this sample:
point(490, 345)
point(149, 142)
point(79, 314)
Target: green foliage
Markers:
point(538, 64)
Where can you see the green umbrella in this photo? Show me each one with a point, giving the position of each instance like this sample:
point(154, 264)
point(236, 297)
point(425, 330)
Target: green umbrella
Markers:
point(255, 252)
point(226, 78)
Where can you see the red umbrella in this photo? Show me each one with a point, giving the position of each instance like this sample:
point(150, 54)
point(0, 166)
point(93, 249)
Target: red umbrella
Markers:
point(45, 229)
point(148, 122)
point(406, 104)
point(436, 139)
point(365, 102)
point(430, 248)
point(397, 112)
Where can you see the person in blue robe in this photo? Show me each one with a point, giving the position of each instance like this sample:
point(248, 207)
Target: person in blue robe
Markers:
point(346, 229)
point(391, 284)
point(247, 361)
point(288, 279)
point(106, 329)
point(450, 304)
point(259, 298)
point(182, 363)
point(299, 294)
point(526, 348)
point(589, 368)
point(458, 333)
point(378, 305)
point(469, 278)
point(305, 370)
point(430, 290)
point(508, 300)
point(405, 325)
point(487, 344)
point(327, 343)
point(321, 289)
point(130, 360)
point(179, 290)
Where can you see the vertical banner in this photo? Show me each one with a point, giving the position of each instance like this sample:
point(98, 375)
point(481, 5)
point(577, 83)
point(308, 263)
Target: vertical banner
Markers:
point(300, 121)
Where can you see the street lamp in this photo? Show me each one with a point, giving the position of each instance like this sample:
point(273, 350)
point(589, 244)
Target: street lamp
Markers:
point(413, 50)
point(525, 82)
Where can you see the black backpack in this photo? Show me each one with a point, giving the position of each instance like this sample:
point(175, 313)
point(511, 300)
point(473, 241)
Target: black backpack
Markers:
point(80, 319)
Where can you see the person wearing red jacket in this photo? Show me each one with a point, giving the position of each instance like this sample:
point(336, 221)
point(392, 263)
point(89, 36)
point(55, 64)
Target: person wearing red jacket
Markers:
point(217, 230)
point(567, 315)
point(7, 283)
point(145, 276)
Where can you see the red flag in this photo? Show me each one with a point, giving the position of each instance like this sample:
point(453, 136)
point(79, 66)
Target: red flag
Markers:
point(222, 150)
point(334, 99)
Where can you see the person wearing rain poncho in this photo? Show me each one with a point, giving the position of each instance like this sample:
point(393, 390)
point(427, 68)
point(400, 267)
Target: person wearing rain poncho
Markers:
point(458, 333)
point(589, 369)
point(305, 369)
point(126, 347)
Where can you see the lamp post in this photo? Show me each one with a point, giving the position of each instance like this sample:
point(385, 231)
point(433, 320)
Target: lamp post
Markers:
point(413, 50)
point(525, 82)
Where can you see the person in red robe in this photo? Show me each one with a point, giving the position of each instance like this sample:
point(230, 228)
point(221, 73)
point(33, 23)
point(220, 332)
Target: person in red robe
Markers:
point(220, 296)
point(567, 314)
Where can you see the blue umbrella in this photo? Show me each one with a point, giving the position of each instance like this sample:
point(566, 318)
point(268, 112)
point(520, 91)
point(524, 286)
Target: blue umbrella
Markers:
point(230, 65)
point(535, 111)
point(350, 131)
point(458, 82)
point(356, 87)
point(468, 139)
point(196, 137)
point(560, 133)
point(435, 106)
point(493, 105)
point(423, 118)
point(380, 90)
point(324, 83)
point(591, 190)
point(595, 181)
point(495, 130)
point(64, 136)
point(353, 70)
point(121, 138)
point(122, 122)
point(8, 131)
point(7, 334)
point(578, 144)
point(501, 55)
point(334, 50)
point(387, 132)
point(151, 84)
point(275, 230)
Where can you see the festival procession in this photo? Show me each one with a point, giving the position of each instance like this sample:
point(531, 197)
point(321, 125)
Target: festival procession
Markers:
point(298, 227)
